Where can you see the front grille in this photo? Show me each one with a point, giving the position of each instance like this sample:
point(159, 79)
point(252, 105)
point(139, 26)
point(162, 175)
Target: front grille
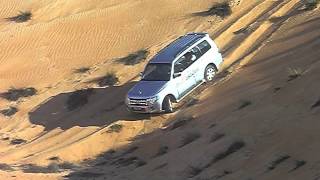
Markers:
point(138, 102)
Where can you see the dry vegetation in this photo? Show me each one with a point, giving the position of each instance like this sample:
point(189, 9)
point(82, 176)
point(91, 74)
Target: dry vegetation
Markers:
point(130, 150)
point(9, 112)
point(134, 58)
point(244, 103)
point(5, 167)
point(278, 161)
point(17, 141)
point(23, 16)
point(123, 162)
point(294, 73)
point(81, 175)
point(216, 136)
point(234, 147)
point(194, 171)
point(298, 164)
point(311, 4)
point(219, 9)
point(316, 104)
point(189, 138)
point(115, 128)
point(180, 122)
point(110, 79)
point(193, 101)
point(162, 150)
point(81, 70)
point(15, 94)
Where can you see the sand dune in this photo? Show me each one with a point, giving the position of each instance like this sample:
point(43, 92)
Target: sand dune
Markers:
point(257, 107)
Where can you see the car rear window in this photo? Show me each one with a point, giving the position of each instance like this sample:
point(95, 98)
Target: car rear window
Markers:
point(204, 47)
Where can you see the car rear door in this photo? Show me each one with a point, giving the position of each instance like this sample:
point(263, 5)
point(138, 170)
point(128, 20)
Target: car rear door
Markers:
point(203, 59)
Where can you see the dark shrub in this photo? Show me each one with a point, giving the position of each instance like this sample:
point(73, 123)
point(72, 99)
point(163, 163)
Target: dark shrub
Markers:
point(81, 70)
point(311, 4)
point(9, 112)
point(32, 168)
point(23, 16)
point(299, 164)
point(294, 73)
point(194, 171)
point(54, 158)
point(244, 104)
point(5, 167)
point(216, 137)
point(219, 9)
point(110, 79)
point(122, 162)
point(234, 147)
point(193, 101)
point(67, 165)
point(316, 104)
point(278, 161)
point(160, 166)
point(14, 94)
point(162, 150)
point(182, 121)
point(189, 138)
point(140, 163)
point(51, 168)
point(85, 175)
point(115, 128)
point(17, 141)
point(134, 58)
point(130, 150)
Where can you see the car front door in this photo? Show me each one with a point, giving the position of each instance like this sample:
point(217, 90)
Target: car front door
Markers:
point(184, 75)
point(196, 64)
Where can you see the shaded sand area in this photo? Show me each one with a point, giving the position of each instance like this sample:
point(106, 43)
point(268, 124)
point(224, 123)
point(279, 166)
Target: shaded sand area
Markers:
point(258, 120)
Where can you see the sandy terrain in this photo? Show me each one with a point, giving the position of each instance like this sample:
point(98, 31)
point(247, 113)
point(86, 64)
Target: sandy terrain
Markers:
point(258, 120)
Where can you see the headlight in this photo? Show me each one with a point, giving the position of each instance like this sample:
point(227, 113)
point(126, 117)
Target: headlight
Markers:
point(152, 100)
point(127, 100)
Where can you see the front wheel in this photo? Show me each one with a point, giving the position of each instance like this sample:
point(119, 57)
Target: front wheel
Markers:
point(210, 72)
point(167, 104)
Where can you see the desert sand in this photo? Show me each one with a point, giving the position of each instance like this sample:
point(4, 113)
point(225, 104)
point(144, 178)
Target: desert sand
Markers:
point(259, 119)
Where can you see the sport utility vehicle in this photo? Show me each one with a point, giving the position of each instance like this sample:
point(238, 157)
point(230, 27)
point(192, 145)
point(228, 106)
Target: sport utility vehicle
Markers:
point(174, 72)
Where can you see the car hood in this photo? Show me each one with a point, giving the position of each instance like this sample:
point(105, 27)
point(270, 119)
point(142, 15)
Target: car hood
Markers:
point(146, 89)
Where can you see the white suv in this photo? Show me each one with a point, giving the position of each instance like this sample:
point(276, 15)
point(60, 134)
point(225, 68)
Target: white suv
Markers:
point(174, 72)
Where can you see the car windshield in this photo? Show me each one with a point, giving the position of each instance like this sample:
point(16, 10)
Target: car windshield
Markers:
point(157, 72)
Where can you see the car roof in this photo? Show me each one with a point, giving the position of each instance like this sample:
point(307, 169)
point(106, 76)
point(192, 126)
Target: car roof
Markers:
point(170, 52)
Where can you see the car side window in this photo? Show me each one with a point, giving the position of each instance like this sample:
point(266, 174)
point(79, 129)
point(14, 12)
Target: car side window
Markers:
point(187, 59)
point(179, 65)
point(204, 47)
point(196, 51)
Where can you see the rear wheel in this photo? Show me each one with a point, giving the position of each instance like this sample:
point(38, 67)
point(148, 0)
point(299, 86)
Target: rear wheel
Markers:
point(210, 72)
point(167, 105)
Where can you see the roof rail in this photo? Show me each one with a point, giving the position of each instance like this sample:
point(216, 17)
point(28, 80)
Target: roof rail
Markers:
point(197, 33)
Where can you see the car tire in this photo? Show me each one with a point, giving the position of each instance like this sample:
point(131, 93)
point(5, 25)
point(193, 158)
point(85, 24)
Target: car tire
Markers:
point(167, 104)
point(209, 73)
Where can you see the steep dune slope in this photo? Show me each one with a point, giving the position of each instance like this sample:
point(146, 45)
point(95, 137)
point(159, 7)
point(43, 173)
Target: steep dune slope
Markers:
point(259, 123)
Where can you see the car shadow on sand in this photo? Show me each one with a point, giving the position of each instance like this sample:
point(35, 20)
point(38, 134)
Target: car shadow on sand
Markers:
point(88, 107)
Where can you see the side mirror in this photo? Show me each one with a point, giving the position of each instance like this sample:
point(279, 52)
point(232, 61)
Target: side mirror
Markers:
point(175, 75)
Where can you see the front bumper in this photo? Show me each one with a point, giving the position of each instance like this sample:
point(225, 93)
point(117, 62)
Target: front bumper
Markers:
point(154, 108)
